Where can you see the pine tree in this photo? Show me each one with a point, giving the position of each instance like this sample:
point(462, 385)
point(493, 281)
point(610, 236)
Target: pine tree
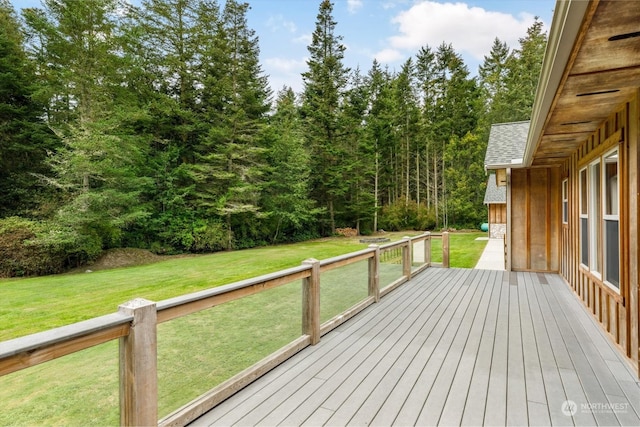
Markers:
point(324, 90)
point(286, 203)
point(379, 132)
point(230, 159)
point(98, 164)
point(493, 74)
point(24, 137)
point(359, 161)
point(524, 67)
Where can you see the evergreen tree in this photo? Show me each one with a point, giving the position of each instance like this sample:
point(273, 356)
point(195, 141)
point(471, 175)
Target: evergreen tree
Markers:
point(230, 161)
point(493, 74)
point(406, 125)
point(167, 40)
point(24, 137)
point(324, 90)
point(289, 210)
point(379, 132)
point(524, 67)
point(359, 161)
point(97, 167)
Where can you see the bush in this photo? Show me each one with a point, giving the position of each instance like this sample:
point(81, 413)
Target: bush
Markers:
point(29, 248)
point(406, 216)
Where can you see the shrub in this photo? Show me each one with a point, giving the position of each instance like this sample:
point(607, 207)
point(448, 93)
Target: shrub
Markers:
point(406, 216)
point(29, 248)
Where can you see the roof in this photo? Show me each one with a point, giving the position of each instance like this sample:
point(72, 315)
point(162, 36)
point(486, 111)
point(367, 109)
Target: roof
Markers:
point(590, 69)
point(494, 194)
point(506, 145)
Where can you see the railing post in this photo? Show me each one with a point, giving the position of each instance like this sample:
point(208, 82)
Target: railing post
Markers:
point(445, 249)
point(138, 365)
point(427, 249)
point(406, 257)
point(311, 302)
point(374, 273)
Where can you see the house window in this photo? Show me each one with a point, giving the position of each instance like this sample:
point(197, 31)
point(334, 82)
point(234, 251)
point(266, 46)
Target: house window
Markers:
point(565, 201)
point(611, 221)
point(600, 218)
point(595, 216)
point(584, 219)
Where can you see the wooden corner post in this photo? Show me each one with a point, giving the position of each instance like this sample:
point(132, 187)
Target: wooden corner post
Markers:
point(445, 249)
point(406, 257)
point(374, 273)
point(311, 302)
point(138, 365)
point(427, 249)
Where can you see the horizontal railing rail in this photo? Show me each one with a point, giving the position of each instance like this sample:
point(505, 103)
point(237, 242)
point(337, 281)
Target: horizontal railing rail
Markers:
point(135, 326)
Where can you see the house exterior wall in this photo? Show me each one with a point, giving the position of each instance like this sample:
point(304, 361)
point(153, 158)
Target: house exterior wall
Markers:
point(616, 309)
point(497, 220)
point(535, 219)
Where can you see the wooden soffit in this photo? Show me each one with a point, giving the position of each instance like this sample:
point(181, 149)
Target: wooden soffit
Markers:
point(602, 73)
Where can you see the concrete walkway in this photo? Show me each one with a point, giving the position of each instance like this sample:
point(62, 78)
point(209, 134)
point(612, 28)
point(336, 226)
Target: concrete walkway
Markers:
point(493, 256)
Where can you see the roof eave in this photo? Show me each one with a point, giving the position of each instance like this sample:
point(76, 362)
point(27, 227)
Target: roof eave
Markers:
point(565, 27)
point(504, 166)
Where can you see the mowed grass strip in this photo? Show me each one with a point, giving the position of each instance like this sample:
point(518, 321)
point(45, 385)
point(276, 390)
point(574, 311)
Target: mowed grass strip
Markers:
point(195, 352)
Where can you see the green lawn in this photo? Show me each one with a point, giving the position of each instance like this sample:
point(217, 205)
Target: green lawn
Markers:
point(195, 352)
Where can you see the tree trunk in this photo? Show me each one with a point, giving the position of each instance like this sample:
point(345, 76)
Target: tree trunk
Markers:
point(375, 191)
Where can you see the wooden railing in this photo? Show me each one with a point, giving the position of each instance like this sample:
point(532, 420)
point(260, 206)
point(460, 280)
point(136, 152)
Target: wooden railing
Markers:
point(135, 326)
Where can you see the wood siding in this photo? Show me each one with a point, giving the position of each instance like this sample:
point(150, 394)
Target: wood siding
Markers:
point(498, 213)
point(535, 219)
point(617, 312)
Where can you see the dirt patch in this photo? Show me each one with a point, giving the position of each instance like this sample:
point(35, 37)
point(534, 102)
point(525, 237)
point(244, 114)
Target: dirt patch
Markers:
point(125, 257)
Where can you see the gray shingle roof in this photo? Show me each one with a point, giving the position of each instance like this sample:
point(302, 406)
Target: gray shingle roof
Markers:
point(494, 194)
point(507, 142)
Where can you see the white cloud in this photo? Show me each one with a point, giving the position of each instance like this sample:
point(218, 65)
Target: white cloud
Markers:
point(304, 39)
point(277, 22)
point(284, 65)
point(386, 56)
point(470, 30)
point(285, 72)
point(354, 5)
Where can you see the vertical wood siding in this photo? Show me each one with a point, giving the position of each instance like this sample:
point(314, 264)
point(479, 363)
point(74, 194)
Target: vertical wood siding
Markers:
point(617, 312)
point(536, 219)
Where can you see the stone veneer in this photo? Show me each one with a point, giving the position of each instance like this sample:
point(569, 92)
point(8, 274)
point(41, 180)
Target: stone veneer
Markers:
point(497, 231)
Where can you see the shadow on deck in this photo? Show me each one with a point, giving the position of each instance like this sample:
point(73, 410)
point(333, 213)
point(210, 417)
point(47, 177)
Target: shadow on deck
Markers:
point(451, 347)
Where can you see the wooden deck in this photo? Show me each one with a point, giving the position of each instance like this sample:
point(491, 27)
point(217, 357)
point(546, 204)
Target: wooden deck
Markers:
point(451, 347)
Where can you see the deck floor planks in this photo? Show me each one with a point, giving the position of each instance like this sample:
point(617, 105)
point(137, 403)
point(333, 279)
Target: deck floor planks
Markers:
point(432, 358)
point(537, 409)
point(580, 383)
point(459, 392)
point(474, 408)
point(437, 348)
point(372, 390)
point(318, 399)
point(496, 409)
point(420, 351)
point(517, 410)
point(433, 407)
point(554, 389)
point(292, 372)
point(600, 385)
point(370, 366)
point(343, 363)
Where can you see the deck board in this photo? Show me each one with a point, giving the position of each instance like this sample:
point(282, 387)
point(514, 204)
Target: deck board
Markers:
point(451, 347)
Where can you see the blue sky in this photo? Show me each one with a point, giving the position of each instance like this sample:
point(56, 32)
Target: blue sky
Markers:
point(388, 30)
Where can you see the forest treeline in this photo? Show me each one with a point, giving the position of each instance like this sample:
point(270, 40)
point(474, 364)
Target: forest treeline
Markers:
point(155, 127)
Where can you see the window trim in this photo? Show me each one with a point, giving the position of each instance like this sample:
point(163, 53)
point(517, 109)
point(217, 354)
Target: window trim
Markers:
point(610, 217)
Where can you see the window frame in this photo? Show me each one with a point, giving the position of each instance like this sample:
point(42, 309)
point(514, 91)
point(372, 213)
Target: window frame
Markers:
point(583, 211)
point(565, 201)
point(610, 216)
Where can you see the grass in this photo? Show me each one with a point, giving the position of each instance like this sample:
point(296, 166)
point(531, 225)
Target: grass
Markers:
point(195, 352)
